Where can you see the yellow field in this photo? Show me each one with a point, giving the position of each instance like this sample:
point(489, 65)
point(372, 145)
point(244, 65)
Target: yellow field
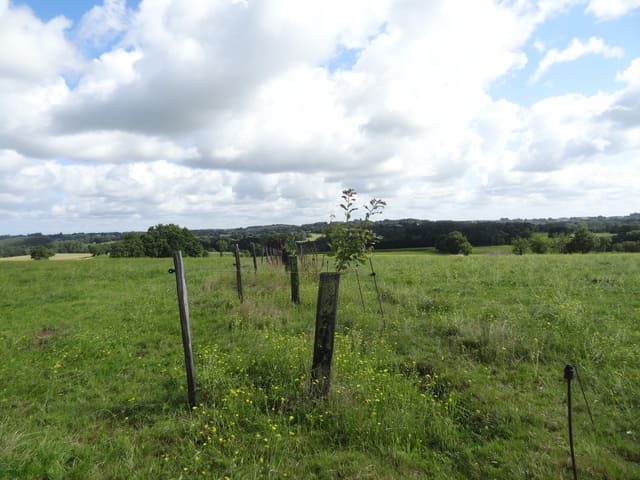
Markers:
point(57, 256)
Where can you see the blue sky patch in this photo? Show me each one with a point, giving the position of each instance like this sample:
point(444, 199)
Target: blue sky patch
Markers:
point(588, 75)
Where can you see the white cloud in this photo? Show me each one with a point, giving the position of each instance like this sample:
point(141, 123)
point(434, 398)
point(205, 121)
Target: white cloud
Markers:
point(576, 129)
point(105, 74)
point(104, 23)
point(611, 9)
point(574, 51)
point(632, 74)
point(25, 107)
point(276, 109)
point(31, 49)
point(539, 46)
point(565, 130)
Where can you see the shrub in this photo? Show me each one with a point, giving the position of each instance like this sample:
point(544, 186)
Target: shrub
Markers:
point(520, 246)
point(454, 243)
point(221, 245)
point(130, 246)
point(626, 246)
point(582, 241)
point(539, 243)
point(41, 253)
point(559, 243)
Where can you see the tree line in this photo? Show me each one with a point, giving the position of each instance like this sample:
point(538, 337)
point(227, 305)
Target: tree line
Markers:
point(581, 241)
point(540, 235)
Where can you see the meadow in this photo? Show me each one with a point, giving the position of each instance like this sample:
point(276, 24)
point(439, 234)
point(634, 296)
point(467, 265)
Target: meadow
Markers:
point(461, 379)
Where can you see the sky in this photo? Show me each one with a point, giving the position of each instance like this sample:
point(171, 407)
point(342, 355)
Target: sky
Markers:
point(119, 115)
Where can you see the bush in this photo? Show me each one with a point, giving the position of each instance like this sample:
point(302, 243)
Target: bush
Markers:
point(627, 246)
point(559, 243)
point(41, 253)
point(520, 246)
point(454, 243)
point(583, 241)
point(96, 249)
point(221, 245)
point(539, 243)
point(130, 246)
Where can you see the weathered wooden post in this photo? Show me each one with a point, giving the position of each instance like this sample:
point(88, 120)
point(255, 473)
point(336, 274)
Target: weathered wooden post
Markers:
point(364, 308)
point(375, 283)
point(238, 273)
point(295, 279)
point(253, 254)
point(325, 331)
point(183, 305)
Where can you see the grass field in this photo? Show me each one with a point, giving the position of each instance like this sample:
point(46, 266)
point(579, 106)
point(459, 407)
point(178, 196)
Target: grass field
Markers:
point(465, 381)
point(491, 250)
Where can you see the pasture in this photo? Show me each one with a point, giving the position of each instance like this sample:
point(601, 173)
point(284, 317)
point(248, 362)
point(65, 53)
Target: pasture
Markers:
point(464, 381)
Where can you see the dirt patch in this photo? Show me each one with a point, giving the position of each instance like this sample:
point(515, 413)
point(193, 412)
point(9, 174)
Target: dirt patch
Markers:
point(56, 257)
point(45, 335)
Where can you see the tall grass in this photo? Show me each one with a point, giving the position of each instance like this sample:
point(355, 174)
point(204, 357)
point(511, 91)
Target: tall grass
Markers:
point(464, 382)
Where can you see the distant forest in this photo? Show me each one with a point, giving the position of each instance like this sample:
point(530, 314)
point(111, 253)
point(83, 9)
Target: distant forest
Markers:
point(616, 233)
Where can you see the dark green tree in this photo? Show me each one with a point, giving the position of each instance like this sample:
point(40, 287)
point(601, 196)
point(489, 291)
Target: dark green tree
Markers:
point(632, 236)
point(164, 240)
point(130, 246)
point(559, 243)
point(41, 253)
point(582, 241)
point(221, 245)
point(602, 243)
point(520, 246)
point(96, 249)
point(539, 243)
point(454, 243)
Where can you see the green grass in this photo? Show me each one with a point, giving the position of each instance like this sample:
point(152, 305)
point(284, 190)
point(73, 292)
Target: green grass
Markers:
point(493, 250)
point(464, 382)
point(409, 251)
point(490, 250)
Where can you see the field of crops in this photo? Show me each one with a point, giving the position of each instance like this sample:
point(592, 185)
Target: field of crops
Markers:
point(461, 378)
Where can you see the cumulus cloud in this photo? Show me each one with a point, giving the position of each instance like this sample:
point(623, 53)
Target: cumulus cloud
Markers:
point(198, 60)
point(576, 50)
point(562, 130)
point(576, 129)
point(31, 49)
point(104, 23)
point(611, 9)
point(625, 111)
point(631, 75)
point(246, 87)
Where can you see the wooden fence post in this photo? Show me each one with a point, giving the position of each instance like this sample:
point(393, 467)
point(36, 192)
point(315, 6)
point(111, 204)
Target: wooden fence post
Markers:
point(375, 283)
point(325, 331)
point(238, 273)
point(295, 279)
point(183, 305)
point(253, 254)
